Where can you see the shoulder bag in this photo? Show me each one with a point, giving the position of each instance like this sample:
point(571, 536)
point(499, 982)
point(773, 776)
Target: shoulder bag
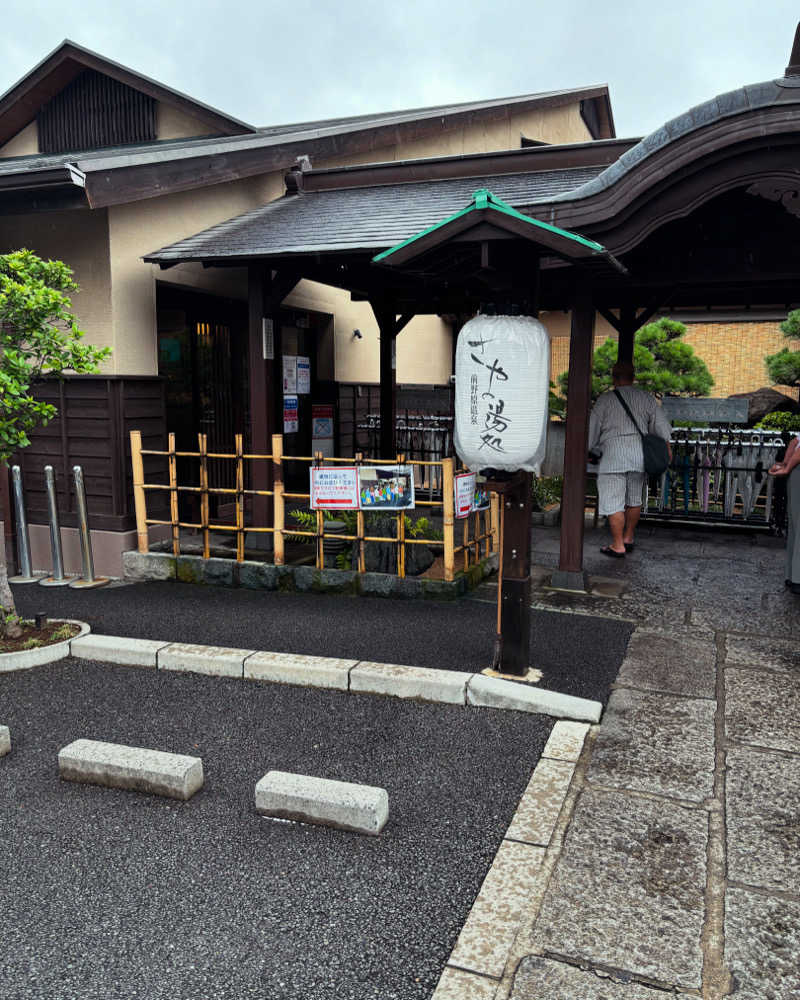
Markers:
point(656, 452)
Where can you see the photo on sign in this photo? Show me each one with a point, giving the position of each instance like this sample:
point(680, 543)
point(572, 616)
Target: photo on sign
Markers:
point(386, 487)
point(480, 500)
point(334, 489)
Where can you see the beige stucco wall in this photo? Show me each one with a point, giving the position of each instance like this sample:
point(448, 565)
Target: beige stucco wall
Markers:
point(24, 143)
point(80, 239)
point(553, 125)
point(144, 226)
point(424, 347)
point(172, 123)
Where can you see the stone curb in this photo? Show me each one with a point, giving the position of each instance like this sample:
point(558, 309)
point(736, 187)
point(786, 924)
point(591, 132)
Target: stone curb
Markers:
point(24, 659)
point(139, 567)
point(135, 769)
point(450, 687)
point(323, 801)
point(477, 963)
point(5, 740)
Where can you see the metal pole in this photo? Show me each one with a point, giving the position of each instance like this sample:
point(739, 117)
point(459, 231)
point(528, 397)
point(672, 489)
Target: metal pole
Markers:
point(88, 580)
point(23, 541)
point(57, 578)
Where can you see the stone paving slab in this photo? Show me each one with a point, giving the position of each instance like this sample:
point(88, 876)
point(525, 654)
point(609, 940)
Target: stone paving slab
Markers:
point(400, 681)
point(292, 668)
point(655, 743)
point(763, 806)
point(566, 740)
point(762, 944)
point(118, 649)
point(628, 890)
point(541, 802)
point(763, 708)
point(545, 979)
point(5, 740)
point(494, 919)
point(219, 661)
point(458, 985)
point(761, 651)
point(658, 662)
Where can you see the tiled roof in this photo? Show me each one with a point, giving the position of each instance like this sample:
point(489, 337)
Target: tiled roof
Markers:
point(366, 218)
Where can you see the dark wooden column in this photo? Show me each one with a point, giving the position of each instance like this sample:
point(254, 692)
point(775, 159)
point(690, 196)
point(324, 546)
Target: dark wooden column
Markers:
point(262, 404)
point(389, 326)
point(627, 331)
point(570, 574)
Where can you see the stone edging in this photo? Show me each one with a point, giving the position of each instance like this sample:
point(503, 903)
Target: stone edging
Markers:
point(421, 683)
point(145, 566)
point(478, 960)
point(24, 659)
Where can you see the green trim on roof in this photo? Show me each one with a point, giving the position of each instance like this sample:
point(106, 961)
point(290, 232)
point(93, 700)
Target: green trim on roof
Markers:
point(484, 199)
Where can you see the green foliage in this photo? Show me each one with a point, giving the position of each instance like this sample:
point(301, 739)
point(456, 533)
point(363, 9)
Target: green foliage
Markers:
point(557, 404)
point(546, 490)
point(780, 420)
point(307, 521)
point(664, 364)
point(39, 336)
point(783, 367)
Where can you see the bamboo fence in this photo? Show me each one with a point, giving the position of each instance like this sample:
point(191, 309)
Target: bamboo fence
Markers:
point(478, 536)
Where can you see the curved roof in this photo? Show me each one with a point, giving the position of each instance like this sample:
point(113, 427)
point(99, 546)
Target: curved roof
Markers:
point(734, 102)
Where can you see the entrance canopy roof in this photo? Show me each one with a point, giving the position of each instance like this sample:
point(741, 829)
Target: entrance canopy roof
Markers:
point(687, 209)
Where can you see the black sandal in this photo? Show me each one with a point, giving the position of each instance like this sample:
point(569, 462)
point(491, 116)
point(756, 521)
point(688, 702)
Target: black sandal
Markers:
point(608, 551)
point(629, 546)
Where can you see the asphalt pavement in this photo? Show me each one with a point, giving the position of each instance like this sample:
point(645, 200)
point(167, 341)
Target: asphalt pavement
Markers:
point(578, 655)
point(106, 894)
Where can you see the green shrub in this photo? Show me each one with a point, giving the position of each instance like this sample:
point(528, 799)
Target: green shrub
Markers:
point(780, 420)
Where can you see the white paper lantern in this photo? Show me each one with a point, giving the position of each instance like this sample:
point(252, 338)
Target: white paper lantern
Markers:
point(502, 393)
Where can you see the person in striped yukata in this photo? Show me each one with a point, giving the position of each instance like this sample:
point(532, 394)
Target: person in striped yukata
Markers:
point(620, 475)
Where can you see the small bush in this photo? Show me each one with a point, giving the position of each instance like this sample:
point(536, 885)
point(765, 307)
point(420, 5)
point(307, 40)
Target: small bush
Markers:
point(780, 420)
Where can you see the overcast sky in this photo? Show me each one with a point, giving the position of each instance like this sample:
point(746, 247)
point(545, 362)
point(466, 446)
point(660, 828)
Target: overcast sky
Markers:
point(274, 62)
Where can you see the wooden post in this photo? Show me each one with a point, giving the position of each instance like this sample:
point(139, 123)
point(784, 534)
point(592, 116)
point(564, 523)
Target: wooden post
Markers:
point(401, 534)
point(139, 499)
point(320, 524)
point(515, 609)
point(494, 517)
point(202, 445)
point(261, 402)
point(570, 574)
point(448, 505)
point(173, 497)
point(277, 499)
point(465, 542)
point(627, 331)
point(239, 499)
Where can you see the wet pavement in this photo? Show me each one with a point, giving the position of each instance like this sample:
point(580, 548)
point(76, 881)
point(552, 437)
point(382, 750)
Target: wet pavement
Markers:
point(674, 867)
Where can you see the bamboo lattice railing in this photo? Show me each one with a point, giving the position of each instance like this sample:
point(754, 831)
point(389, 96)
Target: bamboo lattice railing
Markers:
point(478, 534)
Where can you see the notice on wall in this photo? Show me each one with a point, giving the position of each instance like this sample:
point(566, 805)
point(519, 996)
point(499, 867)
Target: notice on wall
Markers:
point(268, 339)
point(291, 419)
point(289, 374)
point(470, 494)
point(464, 488)
point(303, 376)
point(322, 417)
point(386, 487)
point(334, 489)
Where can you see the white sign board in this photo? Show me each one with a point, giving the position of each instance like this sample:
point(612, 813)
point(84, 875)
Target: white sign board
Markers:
point(289, 374)
point(291, 419)
point(268, 339)
point(303, 376)
point(464, 488)
point(334, 489)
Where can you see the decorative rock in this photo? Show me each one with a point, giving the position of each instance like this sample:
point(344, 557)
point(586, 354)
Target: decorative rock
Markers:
point(448, 686)
point(218, 572)
point(289, 668)
point(5, 740)
point(261, 576)
point(116, 766)
point(220, 661)
point(492, 692)
point(138, 566)
point(341, 804)
point(190, 569)
point(117, 649)
point(377, 584)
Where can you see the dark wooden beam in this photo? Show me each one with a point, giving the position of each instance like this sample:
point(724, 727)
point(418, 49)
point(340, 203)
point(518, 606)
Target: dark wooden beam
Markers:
point(388, 325)
point(570, 573)
point(262, 424)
